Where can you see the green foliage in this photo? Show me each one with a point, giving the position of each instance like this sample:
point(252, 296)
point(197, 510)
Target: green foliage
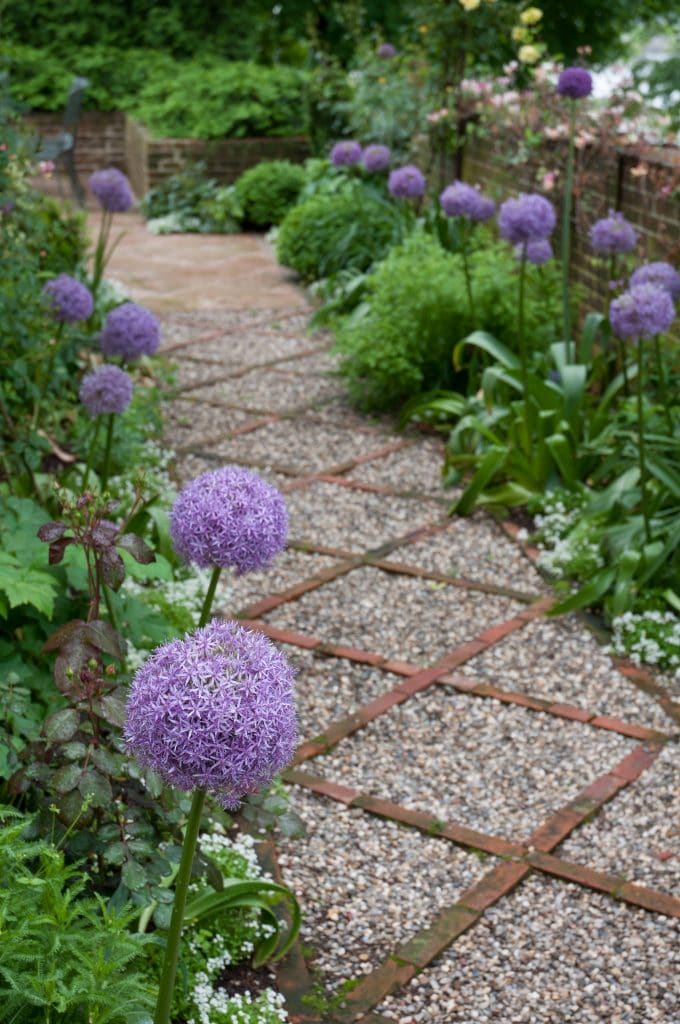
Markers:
point(658, 80)
point(24, 577)
point(399, 342)
point(191, 201)
point(347, 231)
point(63, 956)
point(266, 192)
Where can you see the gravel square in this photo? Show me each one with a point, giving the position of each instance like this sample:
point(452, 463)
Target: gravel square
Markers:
point(476, 549)
point(189, 423)
point(551, 953)
point(317, 362)
point(560, 659)
point(250, 348)
point(366, 885)
point(400, 617)
point(335, 516)
point(502, 770)
point(638, 834)
point(189, 466)
point(302, 445)
point(269, 391)
point(416, 469)
point(288, 568)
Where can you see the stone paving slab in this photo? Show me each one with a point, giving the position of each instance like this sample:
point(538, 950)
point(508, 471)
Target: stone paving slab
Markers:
point(416, 468)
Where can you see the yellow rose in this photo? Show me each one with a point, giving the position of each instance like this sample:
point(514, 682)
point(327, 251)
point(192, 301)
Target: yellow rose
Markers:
point(519, 34)
point(528, 54)
point(531, 16)
point(469, 5)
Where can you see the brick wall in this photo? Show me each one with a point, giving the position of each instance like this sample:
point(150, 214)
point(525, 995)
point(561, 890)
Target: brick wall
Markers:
point(100, 142)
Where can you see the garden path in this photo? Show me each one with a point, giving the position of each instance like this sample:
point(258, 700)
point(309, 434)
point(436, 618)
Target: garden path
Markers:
point(492, 803)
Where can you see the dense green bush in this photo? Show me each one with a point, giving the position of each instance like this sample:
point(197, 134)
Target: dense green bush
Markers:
point(267, 192)
point(347, 231)
point(190, 201)
point(401, 341)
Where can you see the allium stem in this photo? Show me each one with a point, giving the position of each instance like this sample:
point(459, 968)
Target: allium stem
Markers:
point(566, 226)
point(107, 450)
point(209, 596)
point(641, 443)
point(522, 343)
point(90, 454)
point(663, 383)
point(100, 252)
point(167, 983)
point(466, 269)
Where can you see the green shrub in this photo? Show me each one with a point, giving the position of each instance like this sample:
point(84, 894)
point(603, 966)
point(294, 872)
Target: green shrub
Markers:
point(347, 231)
point(401, 341)
point(267, 191)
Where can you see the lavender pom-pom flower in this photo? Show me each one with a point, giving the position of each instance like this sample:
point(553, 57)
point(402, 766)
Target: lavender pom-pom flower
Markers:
point(229, 518)
point(575, 82)
point(642, 312)
point(661, 274)
point(112, 190)
point(537, 252)
point(461, 200)
point(130, 331)
point(108, 389)
point(528, 218)
point(613, 234)
point(346, 153)
point(406, 182)
point(214, 711)
point(376, 158)
point(387, 50)
point(69, 299)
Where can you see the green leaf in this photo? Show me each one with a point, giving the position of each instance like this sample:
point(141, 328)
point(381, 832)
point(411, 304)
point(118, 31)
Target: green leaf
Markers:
point(97, 787)
point(133, 875)
point(589, 594)
point(491, 464)
point(65, 779)
point(62, 725)
point(24, 585)
point(487, 342)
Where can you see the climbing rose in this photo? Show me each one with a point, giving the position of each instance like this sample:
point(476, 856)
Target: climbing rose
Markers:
point(112, 189)
point(344, 154)
point(642, 312)
point(406, 183)
point(69, 300)
point(214, 711)
point(661, 274)
point(105, 390)
point(575, 83)
point(612, 234)
point(130, 331)
point(387, 50)
point(526, 219)
point(229, 517)
point(537, 252)
point(377, 158)
point(461, 200)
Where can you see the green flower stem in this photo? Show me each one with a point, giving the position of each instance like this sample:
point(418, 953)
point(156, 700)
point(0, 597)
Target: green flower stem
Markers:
point(107, 451)
point(663, 383)
point(641, 444)
point(90, 454)
point(566, 227)
point(167, 983)
point(100, 252)
point(466, 269)
point(210, 596)
point(522, 343)
point(43, 381)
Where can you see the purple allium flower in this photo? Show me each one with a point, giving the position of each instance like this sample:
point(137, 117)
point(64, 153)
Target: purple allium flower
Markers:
point(387, 50)
point(344, 154)
point(538, 252)
point(112, 190)
point(70, 300)
point(461, 200)
point(214, 711)
point(526, 219)
point(642, 312)
point(377, 158)
point(130, 331)
point(229, 517)
point(661, 274)
point(406, 183)
point(106, 389)
point(575, 83)
point(613, 234)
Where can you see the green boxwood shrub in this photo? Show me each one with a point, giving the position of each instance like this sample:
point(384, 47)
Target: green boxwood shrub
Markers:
point(347, 231)
point(401, 341)
point(267, 192)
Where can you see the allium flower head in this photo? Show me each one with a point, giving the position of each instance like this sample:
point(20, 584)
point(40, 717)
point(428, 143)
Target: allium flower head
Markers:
point(230, 518)
point(406, 182)
point(461, 200)
point(387, 50)
point(526, 219)
point(613, 234)
point(112, 190)
point(377, 158)
point(538, 252)
point(642, 312)
point(576, 83)
point(345, 154)
point(214, 711)
point(106, 389)
point(130, 331)
point(661, 274)
point(70, 300)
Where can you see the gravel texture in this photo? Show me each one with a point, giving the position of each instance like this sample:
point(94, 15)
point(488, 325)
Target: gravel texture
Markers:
point(475, 548)
point(189, 466)
point(270, 390)
point(560, 659)
point(320, 361)
point(289, 568)
point(398, 616)
point(249, 348)
point(415, 469)
point(551, 953)
point(190, 423)
point(499, 769)
point(367, 885)
point(303, 445)
point(354, 520)
point(638, 834)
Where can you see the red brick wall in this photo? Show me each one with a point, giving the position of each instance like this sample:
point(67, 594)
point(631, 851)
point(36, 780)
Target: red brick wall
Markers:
point(100, 141)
